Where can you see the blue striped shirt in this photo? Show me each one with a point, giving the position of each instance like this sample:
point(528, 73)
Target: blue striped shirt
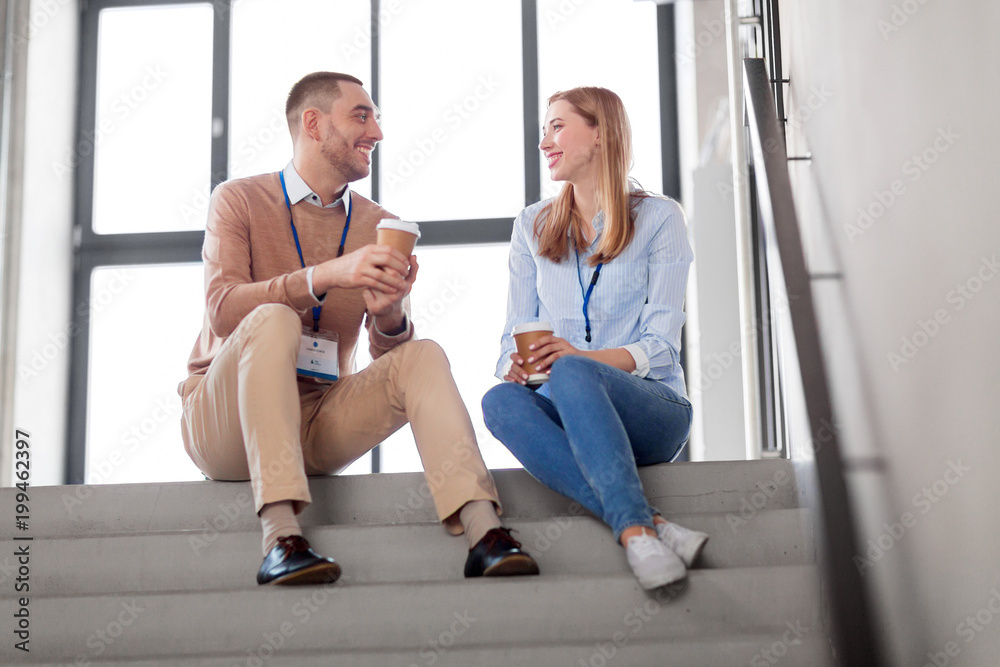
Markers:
point(637, 302)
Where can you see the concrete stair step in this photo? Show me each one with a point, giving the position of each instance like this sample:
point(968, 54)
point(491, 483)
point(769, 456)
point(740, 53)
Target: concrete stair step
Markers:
point(401, 617)
point(380, 554)
point(748, 486)
point(631, 650)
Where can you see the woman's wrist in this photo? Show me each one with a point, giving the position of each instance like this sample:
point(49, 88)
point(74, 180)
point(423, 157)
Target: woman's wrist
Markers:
point(618, 357)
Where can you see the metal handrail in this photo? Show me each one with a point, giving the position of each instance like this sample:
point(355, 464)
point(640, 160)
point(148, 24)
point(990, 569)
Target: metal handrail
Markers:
point(849, 599)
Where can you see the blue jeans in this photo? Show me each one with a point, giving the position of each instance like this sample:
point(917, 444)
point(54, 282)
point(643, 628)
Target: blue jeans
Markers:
point(587, 437)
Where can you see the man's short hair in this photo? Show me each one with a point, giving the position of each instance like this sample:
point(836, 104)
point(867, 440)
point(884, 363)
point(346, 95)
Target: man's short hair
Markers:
point(319, 90)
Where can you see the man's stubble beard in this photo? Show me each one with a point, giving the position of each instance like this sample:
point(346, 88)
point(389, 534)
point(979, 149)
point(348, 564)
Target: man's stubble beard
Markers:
point(341, 157)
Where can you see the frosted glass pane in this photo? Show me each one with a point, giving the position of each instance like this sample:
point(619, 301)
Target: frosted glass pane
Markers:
point(274, 44)
point(612, 44)
point(154, 119)
point(452, 110)
point(144, 321)
point(459, 301)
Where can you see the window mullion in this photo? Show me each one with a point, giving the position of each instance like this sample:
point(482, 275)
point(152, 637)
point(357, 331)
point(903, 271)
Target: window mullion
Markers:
point(529, 48)
point(220, 90)
point(376, 459)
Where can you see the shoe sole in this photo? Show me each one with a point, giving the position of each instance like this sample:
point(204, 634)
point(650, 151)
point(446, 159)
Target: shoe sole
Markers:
point(512, 566)
point(668, 578)
point(689, 559)
point(321, 573)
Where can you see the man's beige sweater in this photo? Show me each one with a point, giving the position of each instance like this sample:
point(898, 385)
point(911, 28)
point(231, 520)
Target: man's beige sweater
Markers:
point(250, 259)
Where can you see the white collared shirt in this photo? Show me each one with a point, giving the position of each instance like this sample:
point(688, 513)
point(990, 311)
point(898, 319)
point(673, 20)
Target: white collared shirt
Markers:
point(299, 190)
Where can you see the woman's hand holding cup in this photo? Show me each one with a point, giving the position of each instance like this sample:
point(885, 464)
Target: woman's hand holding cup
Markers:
point(546, 350)
point(516, 373)
point(527, 335)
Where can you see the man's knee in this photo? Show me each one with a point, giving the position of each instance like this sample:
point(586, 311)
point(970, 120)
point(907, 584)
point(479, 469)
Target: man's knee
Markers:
point(424, 354)
point(274, 321)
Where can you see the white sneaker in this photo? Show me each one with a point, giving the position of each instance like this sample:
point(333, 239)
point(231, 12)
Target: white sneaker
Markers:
point(652, 563)
point(684, 542)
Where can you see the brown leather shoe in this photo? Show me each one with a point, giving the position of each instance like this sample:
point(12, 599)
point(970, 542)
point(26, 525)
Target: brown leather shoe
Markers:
point(499, 555)
point(292, 562)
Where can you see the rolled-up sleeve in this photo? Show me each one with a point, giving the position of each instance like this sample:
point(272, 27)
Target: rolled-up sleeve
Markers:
point(640, 359)
point(662, 316)
point(522, 293)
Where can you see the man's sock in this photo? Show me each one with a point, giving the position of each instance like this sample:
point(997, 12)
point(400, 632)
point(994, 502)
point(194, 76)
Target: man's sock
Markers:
point(478, 517)
point(278, 520)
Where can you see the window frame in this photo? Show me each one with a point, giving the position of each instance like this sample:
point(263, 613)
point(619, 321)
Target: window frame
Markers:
point(92, 250)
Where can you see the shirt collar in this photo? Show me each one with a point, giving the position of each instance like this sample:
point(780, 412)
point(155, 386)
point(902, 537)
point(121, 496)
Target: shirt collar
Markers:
point(298, 191)
point(598, 220)
point(598, 223)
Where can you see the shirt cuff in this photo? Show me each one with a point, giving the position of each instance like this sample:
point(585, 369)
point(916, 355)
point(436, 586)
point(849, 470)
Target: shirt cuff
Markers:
point(506, 367)
point(405, 332)
point(641, 360)
point(309, 281)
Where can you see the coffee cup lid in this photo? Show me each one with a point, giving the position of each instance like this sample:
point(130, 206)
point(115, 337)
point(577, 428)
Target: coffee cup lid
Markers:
point(401, 225)
point(526, 327)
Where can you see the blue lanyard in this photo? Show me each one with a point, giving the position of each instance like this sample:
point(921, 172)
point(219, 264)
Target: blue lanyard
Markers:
point(340, 250)
point(590, 290)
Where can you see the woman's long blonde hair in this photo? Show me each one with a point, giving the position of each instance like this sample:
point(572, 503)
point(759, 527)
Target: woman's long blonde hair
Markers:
point(604, 110)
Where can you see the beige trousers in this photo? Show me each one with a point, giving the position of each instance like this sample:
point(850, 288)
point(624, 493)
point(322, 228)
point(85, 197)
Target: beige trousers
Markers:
point(249, 417)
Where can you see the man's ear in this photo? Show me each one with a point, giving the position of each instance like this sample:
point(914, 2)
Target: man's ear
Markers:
point(310, 123)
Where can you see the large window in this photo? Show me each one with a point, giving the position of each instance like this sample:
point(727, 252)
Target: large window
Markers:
point(180, 96)
point(452, 100)
point(154, 118)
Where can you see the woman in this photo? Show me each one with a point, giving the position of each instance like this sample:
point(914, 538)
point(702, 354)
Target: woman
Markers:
point(606, 264)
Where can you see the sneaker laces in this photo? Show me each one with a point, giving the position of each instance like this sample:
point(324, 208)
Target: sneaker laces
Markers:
point(644, 546)
point(671, 529)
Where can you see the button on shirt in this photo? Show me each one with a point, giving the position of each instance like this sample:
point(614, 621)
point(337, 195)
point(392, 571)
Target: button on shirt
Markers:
point(298, 191)
point(637, 303)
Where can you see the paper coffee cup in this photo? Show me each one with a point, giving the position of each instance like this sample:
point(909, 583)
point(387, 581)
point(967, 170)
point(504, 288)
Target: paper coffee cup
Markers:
point(399, 234)
point(524, 335)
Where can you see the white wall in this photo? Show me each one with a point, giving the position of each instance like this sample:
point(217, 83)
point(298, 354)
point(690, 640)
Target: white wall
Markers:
point(898, 105)
point(46, 235)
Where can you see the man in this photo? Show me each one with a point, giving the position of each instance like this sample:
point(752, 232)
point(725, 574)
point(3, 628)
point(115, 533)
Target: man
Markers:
point(292, 273)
